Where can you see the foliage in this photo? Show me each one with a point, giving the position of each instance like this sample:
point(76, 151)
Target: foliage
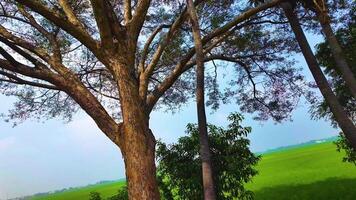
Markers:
point(122, 194)
point(179, 168)
point(257, 53)
point(346, 36)
point(94, 196)
point(342, 144)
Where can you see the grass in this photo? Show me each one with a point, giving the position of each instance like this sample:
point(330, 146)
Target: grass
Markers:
point(309, 172)
point(106, 190)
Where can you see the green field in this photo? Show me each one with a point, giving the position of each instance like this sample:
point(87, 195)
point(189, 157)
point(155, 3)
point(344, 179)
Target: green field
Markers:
point(309, 172)
point(106, 190)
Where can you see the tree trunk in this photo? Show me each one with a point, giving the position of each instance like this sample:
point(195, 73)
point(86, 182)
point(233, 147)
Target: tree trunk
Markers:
point(139, 157)
point(205, 155)
point(339, 57)
point(341, 117)
point(136, 141)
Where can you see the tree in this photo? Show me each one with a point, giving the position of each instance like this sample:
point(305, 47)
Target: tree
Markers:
point(346, 35)
point(179, 163)
point(205, 154)
point(116, 60)
point(320, 7)
point(233, 162)
point(342, 118)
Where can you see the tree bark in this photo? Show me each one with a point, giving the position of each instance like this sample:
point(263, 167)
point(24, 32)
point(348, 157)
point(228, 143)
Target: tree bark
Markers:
point(136, 140)
point(139, 157)
point(339, 57)
point(341, 117)
point(205, 155)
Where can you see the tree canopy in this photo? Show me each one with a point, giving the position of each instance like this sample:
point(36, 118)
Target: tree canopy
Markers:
point(120, 60)
point(64, 38)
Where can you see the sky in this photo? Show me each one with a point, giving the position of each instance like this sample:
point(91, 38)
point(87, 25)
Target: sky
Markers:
point(46, 156)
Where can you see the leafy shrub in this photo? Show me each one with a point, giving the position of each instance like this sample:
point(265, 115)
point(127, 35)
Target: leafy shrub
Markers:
point(122, 194)
point(179, 168)
point(94, 196)
point(343, 144)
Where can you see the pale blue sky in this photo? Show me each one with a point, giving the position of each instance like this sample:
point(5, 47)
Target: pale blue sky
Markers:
point(40, 157)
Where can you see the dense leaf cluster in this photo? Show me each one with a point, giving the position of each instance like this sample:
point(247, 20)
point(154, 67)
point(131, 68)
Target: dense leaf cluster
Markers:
point(179, 169)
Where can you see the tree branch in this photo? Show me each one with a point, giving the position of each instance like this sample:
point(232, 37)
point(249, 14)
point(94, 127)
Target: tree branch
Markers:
point(180, 67)
point(40, 52)
point(17, 80)
point(77, 31)
point(127, 11)
point(72, 18)
point(101, 12)
point(136, 23)
point(142, 74)
point(171, 32)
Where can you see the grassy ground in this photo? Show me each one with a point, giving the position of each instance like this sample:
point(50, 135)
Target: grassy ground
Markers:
point(311, 172)
point(105, 190)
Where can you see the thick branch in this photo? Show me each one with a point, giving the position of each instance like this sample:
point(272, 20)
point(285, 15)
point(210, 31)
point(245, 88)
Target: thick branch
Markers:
point(127, 11)
point(20, 51)
point(17, 80)
point(76, 31)
point(74, 88)
point(72, 18)
point(40, 52)
point(136, 23)
point(102, 21)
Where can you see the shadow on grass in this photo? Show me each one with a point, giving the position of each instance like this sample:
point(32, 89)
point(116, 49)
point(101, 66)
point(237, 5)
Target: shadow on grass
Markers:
point(329, 189)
